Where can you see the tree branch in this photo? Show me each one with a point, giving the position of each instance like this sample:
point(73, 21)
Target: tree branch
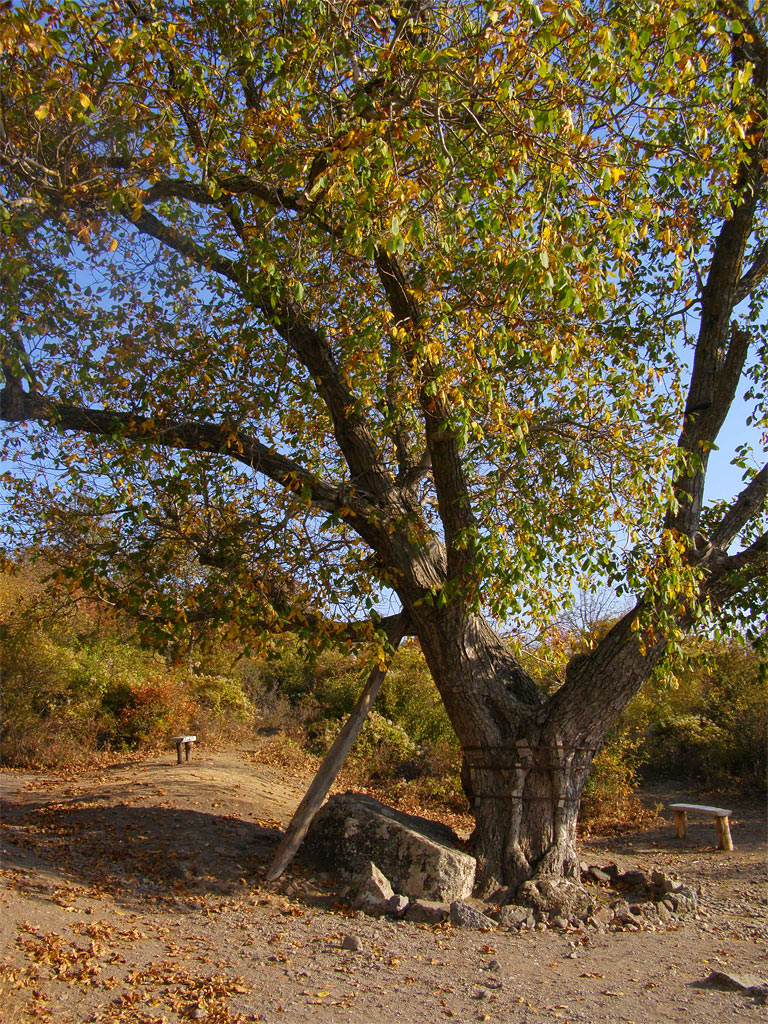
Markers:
point(284, 314)
point(755, 557)
point(754, 275)
point(732, 574)
point(17, 406)
point(443, 451)
point(718, 362)
point(236, 185)
point(746, 505)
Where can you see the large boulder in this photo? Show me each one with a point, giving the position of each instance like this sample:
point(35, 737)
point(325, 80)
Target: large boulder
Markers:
point(420, 858)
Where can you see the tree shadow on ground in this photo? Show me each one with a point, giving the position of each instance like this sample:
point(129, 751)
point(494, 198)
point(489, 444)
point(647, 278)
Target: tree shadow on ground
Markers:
point(136, 852)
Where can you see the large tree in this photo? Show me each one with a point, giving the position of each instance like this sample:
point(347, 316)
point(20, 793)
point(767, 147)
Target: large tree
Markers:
point(308, 306)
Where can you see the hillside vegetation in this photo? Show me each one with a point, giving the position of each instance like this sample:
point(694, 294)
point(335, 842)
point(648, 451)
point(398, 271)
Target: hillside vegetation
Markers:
point(78, 681)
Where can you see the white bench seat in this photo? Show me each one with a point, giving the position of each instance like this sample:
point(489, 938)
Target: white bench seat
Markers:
point(186, 742)
point(720, 814)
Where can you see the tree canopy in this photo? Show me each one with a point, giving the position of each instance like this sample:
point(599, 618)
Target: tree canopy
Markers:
point(307, 304)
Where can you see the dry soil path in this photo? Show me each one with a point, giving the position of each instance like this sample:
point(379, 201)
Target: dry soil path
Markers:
point(132, 894)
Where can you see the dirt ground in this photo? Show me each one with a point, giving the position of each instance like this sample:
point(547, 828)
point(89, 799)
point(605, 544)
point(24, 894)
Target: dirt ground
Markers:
point(133, 894)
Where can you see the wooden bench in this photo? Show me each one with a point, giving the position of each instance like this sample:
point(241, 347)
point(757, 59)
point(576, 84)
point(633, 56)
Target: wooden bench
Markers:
point(186, 742)
point(719, 813)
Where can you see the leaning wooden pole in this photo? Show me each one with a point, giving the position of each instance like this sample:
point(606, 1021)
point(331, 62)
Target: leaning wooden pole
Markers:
point(333, 760)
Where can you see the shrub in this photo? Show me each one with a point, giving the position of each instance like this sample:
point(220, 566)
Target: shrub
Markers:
point(709, 725)
point(609, 799)
point(74, 681)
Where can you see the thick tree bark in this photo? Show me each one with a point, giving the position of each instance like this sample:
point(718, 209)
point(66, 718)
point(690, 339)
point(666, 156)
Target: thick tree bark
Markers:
point(526, 802)
point(527, 757)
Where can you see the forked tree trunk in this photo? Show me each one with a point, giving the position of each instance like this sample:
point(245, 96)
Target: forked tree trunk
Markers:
point(527, 757)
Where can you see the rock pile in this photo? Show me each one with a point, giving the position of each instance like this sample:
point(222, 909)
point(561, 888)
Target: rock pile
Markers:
point(407, 867)
point(628, 901)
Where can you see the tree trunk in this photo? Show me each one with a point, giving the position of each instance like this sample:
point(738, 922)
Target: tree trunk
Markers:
point(525, 799)
point(527, 757)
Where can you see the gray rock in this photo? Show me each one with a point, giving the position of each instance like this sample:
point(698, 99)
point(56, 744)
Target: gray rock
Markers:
point(750, 984)
point(554, 895)
point(602, 915)
point(635, 879)
point(598, 875)
point(371, 890)
point(660, 881)
point(427, 912)
point(420, 858)
point(623, 913)
point(461, 915)
point(682, 900)
point(663, 912)
point(352, 942)
point(559, 922)
point(514, 916)
point(648, 910)
point(397, 905)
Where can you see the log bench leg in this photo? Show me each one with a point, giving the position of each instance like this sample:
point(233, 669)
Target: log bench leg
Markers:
point(178, 751)
point(724, 834)
point(187, 748)
point(681, 822)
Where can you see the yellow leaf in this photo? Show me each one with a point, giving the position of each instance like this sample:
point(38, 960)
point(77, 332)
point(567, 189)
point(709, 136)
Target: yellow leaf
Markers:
point(83, 100)
point(113, 245)
point(42, 112)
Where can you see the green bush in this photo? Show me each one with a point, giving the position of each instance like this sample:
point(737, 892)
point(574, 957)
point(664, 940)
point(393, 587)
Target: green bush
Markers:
point(74, 681)
point(710, 724)
point(384, 750)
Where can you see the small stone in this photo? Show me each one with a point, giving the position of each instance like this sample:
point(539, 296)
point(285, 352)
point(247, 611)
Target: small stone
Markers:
point(199, 1013)
point(559, 922)
point(427, 912)
point(461, 915)
point(397, 905)
point(371, 891)
point(493, 965)
point(513, 916)
point(663, 912)
point(602, 915)
point(648, 910)
point(623, 913)
point(598, 875)
point(751, 984)
point(481, 993)
point(352, 942)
